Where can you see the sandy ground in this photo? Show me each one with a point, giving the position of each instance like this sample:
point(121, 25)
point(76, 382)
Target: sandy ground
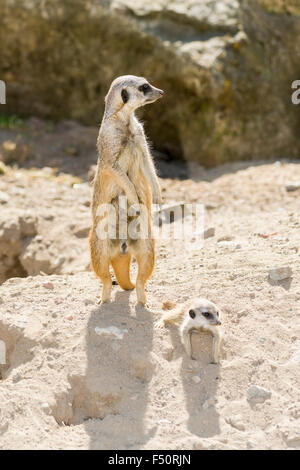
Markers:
point(66, 385)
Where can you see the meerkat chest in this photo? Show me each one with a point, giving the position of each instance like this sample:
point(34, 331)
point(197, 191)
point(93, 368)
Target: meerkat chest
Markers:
point(133, 149)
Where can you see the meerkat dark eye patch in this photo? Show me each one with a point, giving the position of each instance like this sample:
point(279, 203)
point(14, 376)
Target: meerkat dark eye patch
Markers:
point(192, 313)
point(145, 88)
point(125, 95)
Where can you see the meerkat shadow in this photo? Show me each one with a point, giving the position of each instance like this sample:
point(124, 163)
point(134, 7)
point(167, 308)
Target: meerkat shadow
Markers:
point(200, 379)
point(118, 372)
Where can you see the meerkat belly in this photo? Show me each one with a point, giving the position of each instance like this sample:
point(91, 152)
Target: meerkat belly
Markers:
point(135, 170)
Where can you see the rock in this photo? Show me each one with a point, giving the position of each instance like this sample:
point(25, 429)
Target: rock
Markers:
point(4, 198)
point(210, 232)
point(209, 53)
point(16, 377)
point(257, 394)
point(15, 151)
point(83, 231)
point(46, 408)
point(164, 421)
point(208, 403)
point(230, 245)
point(48, 285)
point(293, 186)
point(196, 379)
point(111, 331)
point(242, 313)
point(279, 274)
point(28, 223)
point(225, 238)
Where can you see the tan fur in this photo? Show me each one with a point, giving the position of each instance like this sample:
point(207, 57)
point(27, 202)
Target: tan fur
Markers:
point(125, 167)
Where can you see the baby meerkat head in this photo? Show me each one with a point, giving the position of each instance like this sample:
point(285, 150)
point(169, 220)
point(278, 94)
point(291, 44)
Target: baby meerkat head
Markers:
point(203, 312)
point(132, 92)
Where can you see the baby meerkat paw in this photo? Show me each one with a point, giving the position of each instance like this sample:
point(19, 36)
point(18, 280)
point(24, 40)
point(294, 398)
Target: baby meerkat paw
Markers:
point(160, 323)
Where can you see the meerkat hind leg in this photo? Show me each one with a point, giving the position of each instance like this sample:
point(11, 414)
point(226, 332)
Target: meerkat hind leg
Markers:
point(121, 267)
point(104, 275)
point(145, 262)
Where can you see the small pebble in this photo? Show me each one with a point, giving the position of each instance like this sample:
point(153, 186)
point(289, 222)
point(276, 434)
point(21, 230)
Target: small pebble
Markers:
point(279, 274)
point(48, 285)
point(210, 232)
point(292, 186)
point(257, 394)
point(196, 379)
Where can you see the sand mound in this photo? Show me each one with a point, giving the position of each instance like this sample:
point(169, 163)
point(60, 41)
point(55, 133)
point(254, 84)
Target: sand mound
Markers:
point(79, 375)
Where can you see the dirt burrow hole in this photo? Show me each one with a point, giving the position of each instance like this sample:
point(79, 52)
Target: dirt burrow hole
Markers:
point(15, 349)
point(78, 404)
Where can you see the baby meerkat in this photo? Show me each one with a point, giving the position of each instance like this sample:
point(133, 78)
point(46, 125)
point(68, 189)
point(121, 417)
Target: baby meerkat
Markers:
point(125, 170)
point(193, 315)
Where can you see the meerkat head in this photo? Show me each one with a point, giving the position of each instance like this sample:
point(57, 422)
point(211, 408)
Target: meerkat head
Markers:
point(201, 312)
point(130, 92)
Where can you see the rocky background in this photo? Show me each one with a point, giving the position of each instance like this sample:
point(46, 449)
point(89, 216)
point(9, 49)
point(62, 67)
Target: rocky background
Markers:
point(226, 66)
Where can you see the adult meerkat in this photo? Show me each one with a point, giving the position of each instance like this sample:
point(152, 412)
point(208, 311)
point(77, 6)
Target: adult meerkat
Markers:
point(125, 168)
point(196, 314)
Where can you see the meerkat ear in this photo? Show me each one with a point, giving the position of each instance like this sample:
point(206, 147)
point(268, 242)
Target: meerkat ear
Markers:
point(125, 95)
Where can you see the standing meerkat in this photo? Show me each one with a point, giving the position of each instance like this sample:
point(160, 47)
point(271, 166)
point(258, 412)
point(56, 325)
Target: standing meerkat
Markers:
point(193, 315)
point(125, 168)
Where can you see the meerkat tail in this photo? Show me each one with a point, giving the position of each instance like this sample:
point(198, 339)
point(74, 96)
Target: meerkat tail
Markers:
point(170, 317)
point(168, 305)
point(121, 267)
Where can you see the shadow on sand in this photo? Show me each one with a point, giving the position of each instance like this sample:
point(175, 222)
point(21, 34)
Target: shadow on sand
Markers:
point(203, 419)
point(118, 371)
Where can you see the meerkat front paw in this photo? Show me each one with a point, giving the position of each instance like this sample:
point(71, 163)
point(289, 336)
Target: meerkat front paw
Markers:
point(215, 361)
point(103, 301)
point(160, 323)
point(143, 305)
